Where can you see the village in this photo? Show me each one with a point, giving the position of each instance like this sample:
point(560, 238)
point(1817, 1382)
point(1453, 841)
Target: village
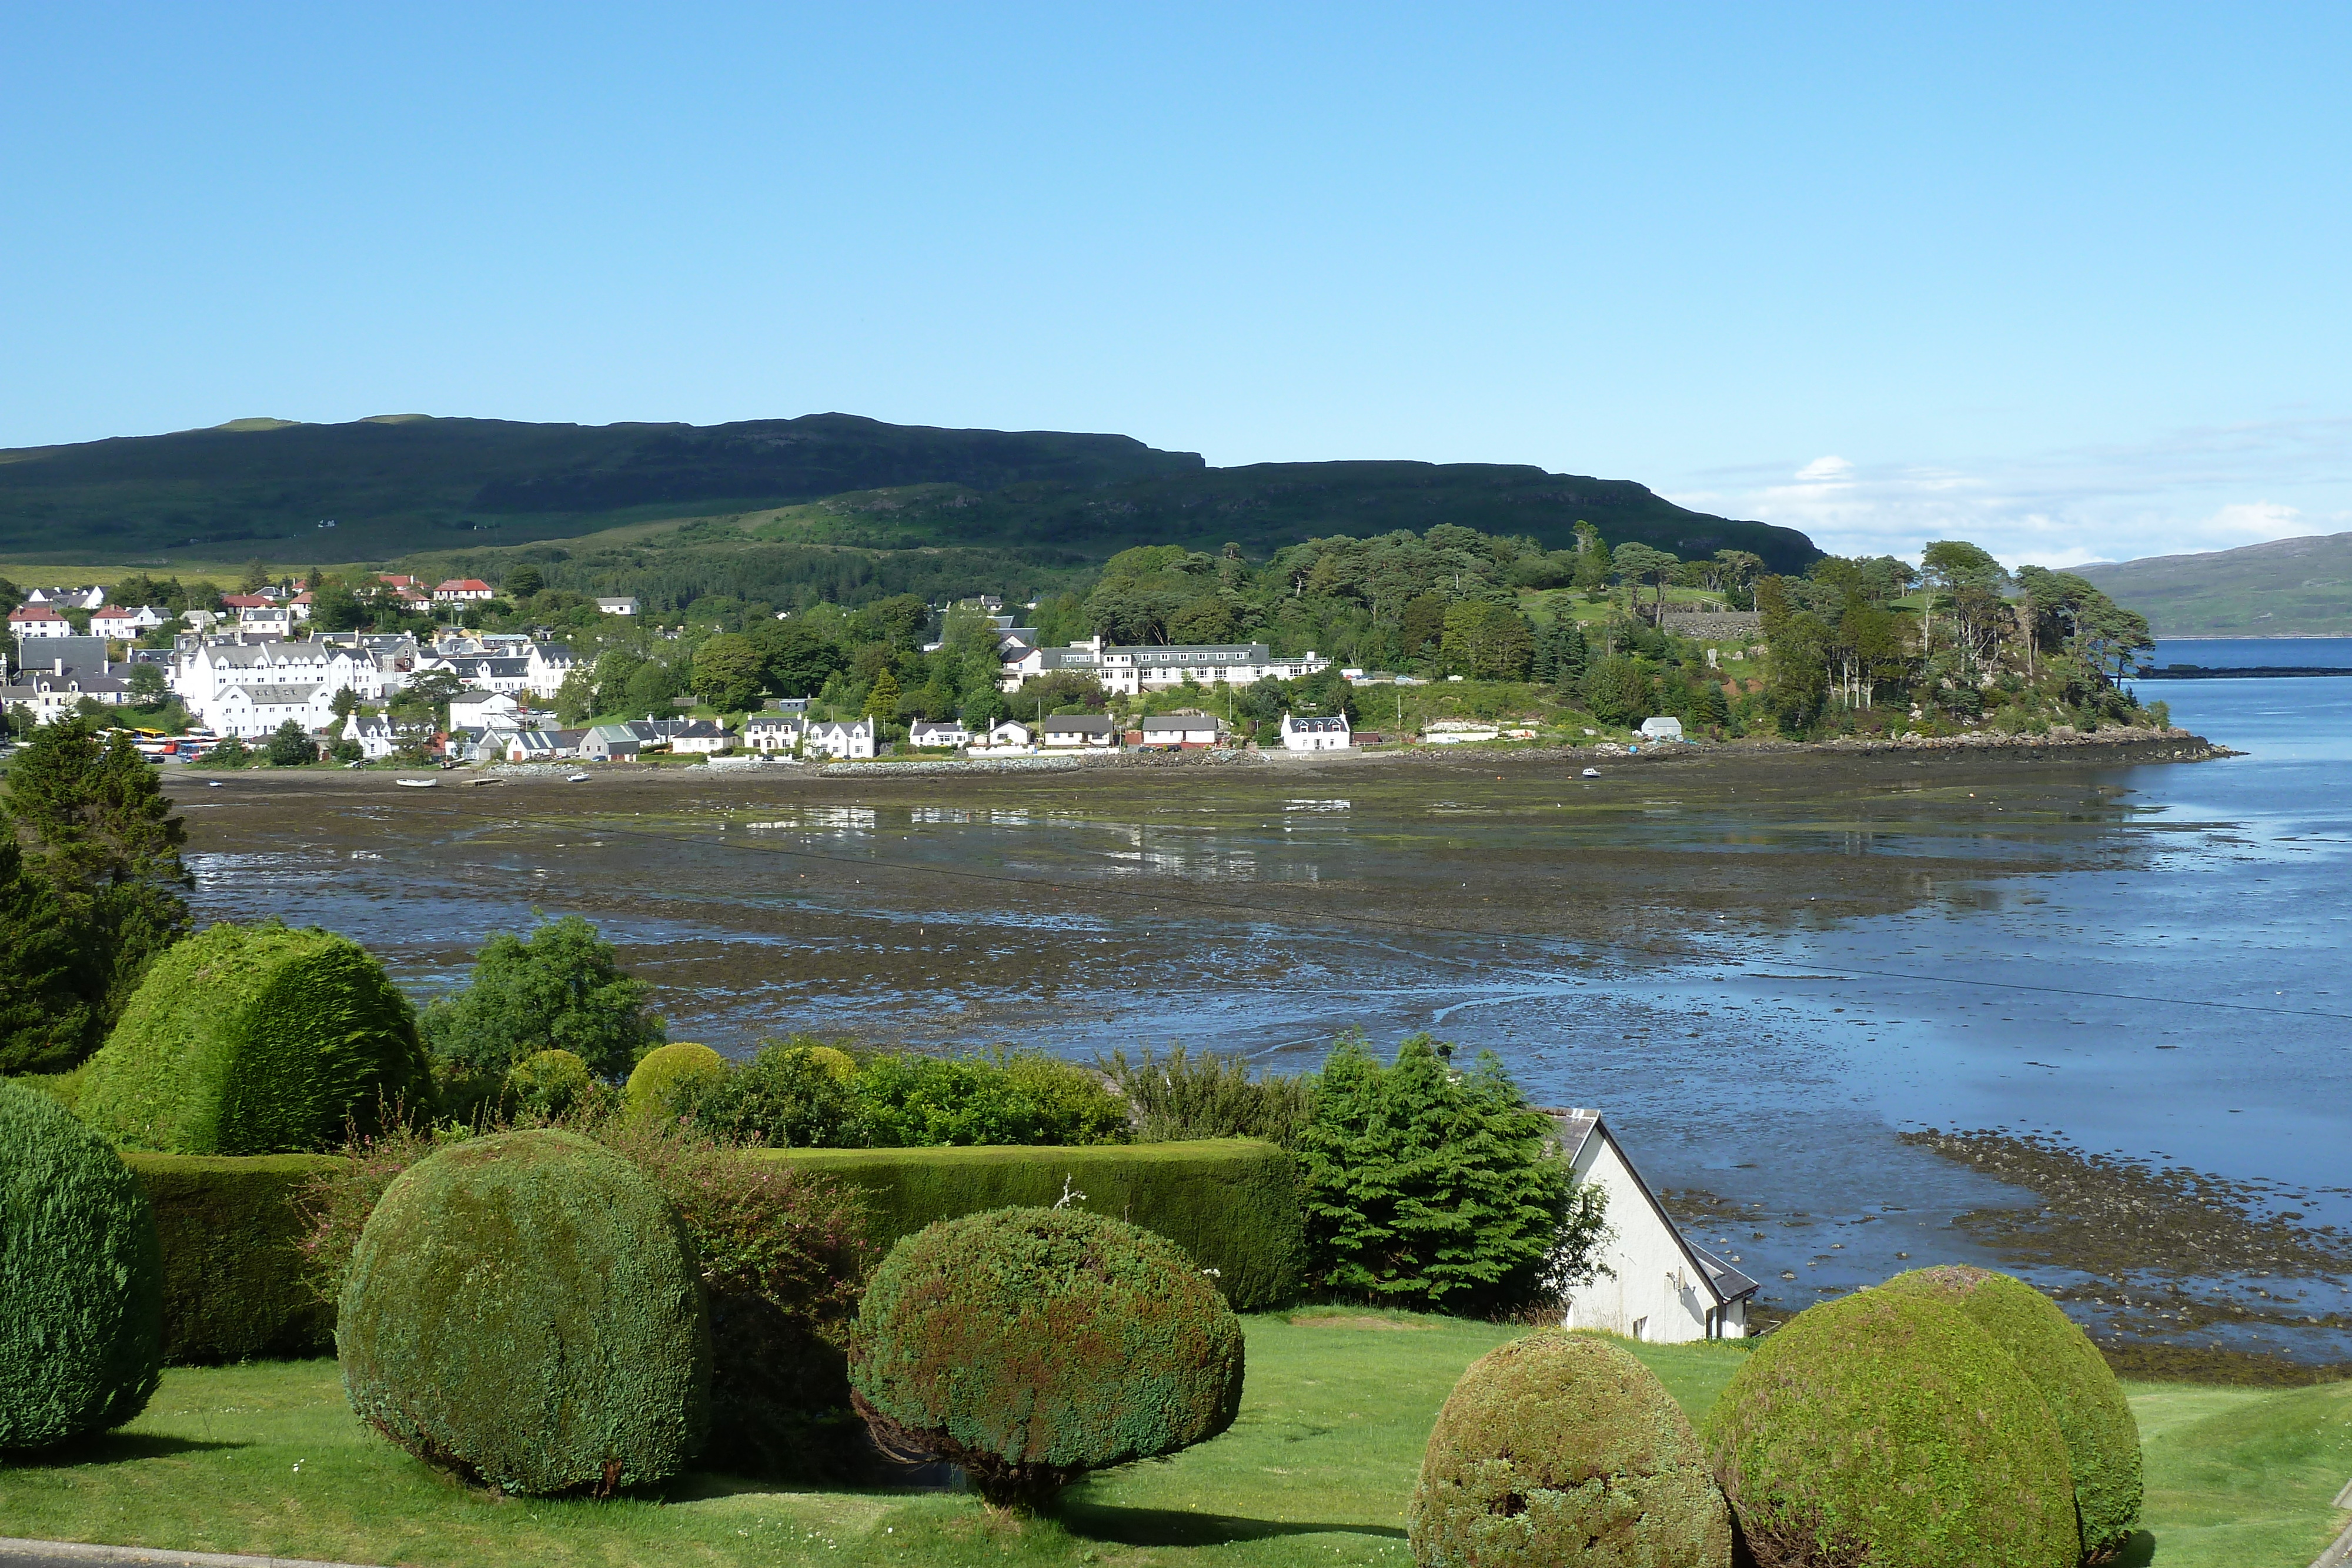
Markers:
point(253, 667)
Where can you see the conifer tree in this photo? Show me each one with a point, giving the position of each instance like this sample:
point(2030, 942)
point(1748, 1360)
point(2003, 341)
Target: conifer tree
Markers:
point(44, 1020)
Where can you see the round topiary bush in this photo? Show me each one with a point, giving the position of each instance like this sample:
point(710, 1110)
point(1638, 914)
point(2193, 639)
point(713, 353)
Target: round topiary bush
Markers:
point(81, 1278)
point(256, 1039)
point(666, 1075)
point(548, 1083)
point(2059, 1359)
point(1562, 1447)
point(1030, 1346)
point(1885, 1428)
point(526, 1309)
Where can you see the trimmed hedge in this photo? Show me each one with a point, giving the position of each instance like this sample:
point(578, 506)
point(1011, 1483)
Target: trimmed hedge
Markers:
point(81, 1280)
point(2059, 1359)
point(528, 1310)
point(1562, 1447)
point(233, 1285)
point(255, 1041)
point(664, 1077)
point(1887, 1427)
point(1232, 1204)
point(1031, 1345)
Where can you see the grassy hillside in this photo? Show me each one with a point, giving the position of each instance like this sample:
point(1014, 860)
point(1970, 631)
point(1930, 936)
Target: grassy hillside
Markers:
point(399, 486)
point(2289, 588)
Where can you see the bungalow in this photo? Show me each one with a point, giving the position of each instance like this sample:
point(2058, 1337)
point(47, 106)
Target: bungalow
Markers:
point(376, 736)
point(30, 620)
point(461, 591)
point(1182, 729)
point(543, 744)
point(1458, 732)
point(1007, 735)
point(1316, 733)
point(688, 736)
point(266, 621)
point(769, 733)
point(1650, 1283)
point(1662, 730)
point(485, 710)
point(843, 742)
point(609, 743)
point(618, 606)
point(397, 582)
point(1068, 732)
point(946, 735)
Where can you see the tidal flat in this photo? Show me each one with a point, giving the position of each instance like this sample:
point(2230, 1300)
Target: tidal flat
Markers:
point(1764, 968)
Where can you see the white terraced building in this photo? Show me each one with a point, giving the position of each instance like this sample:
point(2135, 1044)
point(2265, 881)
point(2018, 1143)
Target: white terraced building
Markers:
point(1127, 672)
point(252, 712)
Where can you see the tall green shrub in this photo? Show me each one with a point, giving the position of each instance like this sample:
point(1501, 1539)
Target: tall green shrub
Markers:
point(1887, 1427)
point(45, 1016)
point(81, 1279)
point(1030, 1346)
point(1562, 1447)
point(1185, 1096)
point(1432, 1185)
point(2059, 1359)
point(253, 1041)
point(1023, 1097)
point(665, 1079)
point(525, 1308)
point(562, 990)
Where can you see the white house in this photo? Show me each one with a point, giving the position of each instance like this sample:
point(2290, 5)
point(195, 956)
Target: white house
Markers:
point(125, 622)
point(769, 733)
point(948, 734)
point(51, 693)
point(1316, 733)
point(266, 621)
point(1007, 735)
point(618, 606)
point(1459, 732)
point(1128, 670)
point(1652, 1283)
point(374, 733)
point(550, 663)
point(64, 597)
point(30, 620)
point(1662, 730)
point(509, 677)
point(543, 744)
point(484, 710)
point(461, 591)
point(1182, 729)
point(841, 741)
point(703, 735)
point(251, 712)
point(1080, 732)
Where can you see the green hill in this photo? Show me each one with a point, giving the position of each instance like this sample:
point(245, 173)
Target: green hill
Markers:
point(2288, 588)
point(403, 484)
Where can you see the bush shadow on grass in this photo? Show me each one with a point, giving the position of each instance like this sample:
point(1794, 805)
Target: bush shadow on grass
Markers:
point(1178, 1527)
point(111, 1448)
point(2139, 1551)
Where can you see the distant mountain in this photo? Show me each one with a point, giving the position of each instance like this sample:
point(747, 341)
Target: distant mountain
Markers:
point(2288, 588)
point(399, 485)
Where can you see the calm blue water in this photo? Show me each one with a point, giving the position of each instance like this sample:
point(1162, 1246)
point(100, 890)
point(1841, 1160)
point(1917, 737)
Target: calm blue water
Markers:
point(1760, 989)
point(2241, 652)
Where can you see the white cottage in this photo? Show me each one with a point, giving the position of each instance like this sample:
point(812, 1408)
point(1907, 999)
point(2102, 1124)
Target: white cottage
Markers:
point(842, 742)
point(1306, 734)
point(1653, 1284)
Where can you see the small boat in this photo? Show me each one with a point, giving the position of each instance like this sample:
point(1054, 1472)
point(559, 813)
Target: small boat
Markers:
point(575, 778)
point(1593, 773)
point(477, 783)
point(212, 783)
point(418, 783)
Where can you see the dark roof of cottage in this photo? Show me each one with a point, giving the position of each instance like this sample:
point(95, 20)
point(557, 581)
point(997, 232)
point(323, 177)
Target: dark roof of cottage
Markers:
point(1079, 724)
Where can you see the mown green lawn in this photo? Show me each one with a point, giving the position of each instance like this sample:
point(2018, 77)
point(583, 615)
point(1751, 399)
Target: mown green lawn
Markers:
point(266, 1458)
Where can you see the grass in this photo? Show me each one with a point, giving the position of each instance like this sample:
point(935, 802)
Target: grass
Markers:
point(266, 1457)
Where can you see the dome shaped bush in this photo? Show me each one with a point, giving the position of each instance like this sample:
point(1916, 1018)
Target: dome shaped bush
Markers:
point(256, 1039)
point(526, 1309)
point(1885, 1428)
point(2072, 1377)
point(666, 1075)
point(81, 1278)
point(548, 1083)
point(831, 1060)
point(1030, 1346)
point(1563, 1448)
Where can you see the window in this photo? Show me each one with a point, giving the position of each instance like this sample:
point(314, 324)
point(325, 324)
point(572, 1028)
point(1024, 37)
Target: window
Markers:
point(1641, 1327)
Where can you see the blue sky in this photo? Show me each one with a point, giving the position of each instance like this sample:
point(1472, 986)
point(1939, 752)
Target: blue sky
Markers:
point(2069, 281)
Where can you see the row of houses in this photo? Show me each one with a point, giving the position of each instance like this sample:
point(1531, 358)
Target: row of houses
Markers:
point(1131, 671)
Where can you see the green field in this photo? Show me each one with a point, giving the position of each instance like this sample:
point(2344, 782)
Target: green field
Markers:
point(266, 1458)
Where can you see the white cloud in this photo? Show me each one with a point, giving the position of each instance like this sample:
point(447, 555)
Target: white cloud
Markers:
point(2178, 492)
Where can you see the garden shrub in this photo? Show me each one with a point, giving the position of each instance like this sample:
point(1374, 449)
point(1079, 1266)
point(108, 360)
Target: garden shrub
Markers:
point(561, 989)
point(81, 1279)
point(1887, 1427)
point(231, 1231)
point(784, 1097)
point(526, 1309)
point(253, 1041)
point(1023, 1097)
point(2059, 1359)
point(665, 1076)
point(547, 1085)
point(1183, 1097)
point(1563, 1447)
point(1030, 1346)
point(1427, 1185)
point(1232, 1205)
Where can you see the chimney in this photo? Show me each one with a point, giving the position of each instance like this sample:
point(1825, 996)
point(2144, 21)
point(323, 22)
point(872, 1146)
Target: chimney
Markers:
point(59, 665)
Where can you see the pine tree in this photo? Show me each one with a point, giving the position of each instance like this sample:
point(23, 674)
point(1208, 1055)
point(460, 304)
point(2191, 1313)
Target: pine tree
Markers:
point(44, 1018)
point(882, 696)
